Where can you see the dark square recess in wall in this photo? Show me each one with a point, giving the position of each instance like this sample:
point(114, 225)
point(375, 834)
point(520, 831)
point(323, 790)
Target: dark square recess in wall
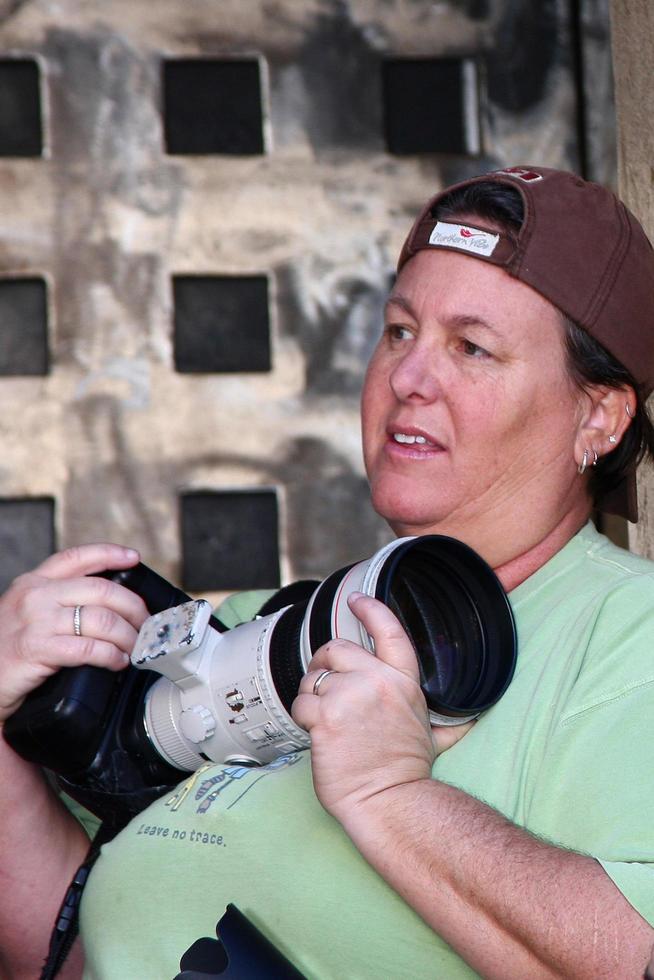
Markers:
point(430, 105)
point(212, 106)
point(20, 108)
point(221, 324)
point(229, 540)
point(27, 535)
point(23, 327)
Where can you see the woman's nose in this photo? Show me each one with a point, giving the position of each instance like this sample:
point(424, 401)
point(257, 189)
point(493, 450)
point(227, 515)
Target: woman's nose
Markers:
point(414, 378)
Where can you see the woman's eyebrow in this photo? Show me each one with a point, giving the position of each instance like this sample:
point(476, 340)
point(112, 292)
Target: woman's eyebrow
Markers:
point(472, 320)
point(456, 320)
point(396, 299)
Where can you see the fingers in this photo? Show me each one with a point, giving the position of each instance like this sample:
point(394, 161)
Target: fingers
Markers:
point(393, 649)
point(38, 611)
point(328, 669)
point(95, 593)
point(110, 617)
point(76, 651)
point(337, 655)
point(86, 559)
point(66, 580)
point(320, 679)
point(32, 655)
point(98, 623)
point(45, 640)
point(366, 715)
point(392, 645)
point(306, 710)
point(343, 678)
point(445, 736)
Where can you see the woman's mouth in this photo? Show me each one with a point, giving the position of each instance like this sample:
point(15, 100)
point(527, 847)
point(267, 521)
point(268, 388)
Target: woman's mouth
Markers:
point(408, 440)
point(414, 443)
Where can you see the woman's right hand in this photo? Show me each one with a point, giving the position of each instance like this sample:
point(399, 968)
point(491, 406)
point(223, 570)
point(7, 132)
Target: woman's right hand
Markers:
point(37, 616)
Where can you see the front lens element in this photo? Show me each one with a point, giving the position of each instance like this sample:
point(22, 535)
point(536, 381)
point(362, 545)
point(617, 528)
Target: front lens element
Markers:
point(457, 615)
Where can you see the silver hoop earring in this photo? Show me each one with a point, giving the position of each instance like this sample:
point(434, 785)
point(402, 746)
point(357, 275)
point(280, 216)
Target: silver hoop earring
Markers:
point(627, 409)
point(581, 469)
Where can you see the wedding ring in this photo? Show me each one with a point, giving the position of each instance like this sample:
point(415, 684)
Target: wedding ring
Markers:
point(320, 678)
point(77, 621)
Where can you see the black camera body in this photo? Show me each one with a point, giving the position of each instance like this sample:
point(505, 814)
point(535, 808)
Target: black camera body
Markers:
point(85, 724)
point(241, 952)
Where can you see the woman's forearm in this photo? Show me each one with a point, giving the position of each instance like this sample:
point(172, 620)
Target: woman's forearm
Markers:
point(511, 905)
point(41, 846)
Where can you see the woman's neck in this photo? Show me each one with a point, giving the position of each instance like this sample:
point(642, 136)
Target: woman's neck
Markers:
point(513, 546)
point(516, 570)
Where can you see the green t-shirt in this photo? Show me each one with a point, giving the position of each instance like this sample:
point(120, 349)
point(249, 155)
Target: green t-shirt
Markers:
point(565, 753)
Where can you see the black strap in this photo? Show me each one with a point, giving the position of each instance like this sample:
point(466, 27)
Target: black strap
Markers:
point(66, 924)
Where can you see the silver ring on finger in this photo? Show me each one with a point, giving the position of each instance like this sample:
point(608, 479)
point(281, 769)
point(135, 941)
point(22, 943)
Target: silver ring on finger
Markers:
point(320, 678)
point(77, 620)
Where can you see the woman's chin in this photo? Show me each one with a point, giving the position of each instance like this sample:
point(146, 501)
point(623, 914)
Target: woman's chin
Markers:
point(410, 499)
point(408, 517)
point(408, 520)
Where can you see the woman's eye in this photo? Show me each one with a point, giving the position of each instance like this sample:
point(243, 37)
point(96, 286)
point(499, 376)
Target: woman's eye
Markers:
point(397, 332)
point(471, 349)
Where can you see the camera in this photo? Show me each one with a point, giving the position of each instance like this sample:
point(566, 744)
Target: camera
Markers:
point(241, 952)
point(197, 692)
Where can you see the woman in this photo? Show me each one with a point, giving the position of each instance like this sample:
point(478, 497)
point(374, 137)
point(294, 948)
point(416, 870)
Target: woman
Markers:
point(525, 849)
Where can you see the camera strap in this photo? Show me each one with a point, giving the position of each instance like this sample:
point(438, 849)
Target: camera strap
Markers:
point(66, 925)
point(241, 948)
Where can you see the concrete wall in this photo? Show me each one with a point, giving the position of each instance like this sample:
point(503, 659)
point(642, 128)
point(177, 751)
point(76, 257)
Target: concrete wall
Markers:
point(113, 433)
point(633, 56)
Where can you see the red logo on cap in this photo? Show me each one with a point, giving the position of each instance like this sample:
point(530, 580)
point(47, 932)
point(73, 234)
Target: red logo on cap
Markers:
point(466, 233)
point(521, 173)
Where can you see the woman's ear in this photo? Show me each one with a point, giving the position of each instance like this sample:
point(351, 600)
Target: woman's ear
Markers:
point(607, 416)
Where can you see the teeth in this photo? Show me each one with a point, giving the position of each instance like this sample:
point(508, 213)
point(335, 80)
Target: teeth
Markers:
point(409, 440)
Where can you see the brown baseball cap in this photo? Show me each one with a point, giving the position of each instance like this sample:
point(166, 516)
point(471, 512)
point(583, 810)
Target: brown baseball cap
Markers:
point(580, 248)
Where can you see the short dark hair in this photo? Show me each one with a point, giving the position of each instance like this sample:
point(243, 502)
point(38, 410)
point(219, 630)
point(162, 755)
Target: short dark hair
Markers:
point(589, 363)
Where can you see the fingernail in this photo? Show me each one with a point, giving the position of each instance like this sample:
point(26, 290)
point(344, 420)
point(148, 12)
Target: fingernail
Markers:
point(353, 596)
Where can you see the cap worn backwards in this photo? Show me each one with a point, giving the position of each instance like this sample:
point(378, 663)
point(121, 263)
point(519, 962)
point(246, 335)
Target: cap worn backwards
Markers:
point(580, 248)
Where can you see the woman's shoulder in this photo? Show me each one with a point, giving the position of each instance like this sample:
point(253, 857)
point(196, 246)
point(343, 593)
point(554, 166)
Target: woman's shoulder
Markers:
point(622, 580)
point(615, 623)
point(593, 609)
point(591, 566)
point(605, 553)
point(583, 575)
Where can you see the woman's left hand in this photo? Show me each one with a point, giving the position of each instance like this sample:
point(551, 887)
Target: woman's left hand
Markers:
point(369, 722)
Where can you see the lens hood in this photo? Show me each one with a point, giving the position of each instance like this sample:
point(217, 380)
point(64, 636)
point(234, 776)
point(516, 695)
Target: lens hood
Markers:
point(454, 609)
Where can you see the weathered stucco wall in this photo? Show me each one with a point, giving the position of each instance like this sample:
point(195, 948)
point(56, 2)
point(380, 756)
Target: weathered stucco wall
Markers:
point(113, 433)
point(633, 56)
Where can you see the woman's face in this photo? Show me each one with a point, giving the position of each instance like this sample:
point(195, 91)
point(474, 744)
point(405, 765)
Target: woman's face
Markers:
point(468, 413)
